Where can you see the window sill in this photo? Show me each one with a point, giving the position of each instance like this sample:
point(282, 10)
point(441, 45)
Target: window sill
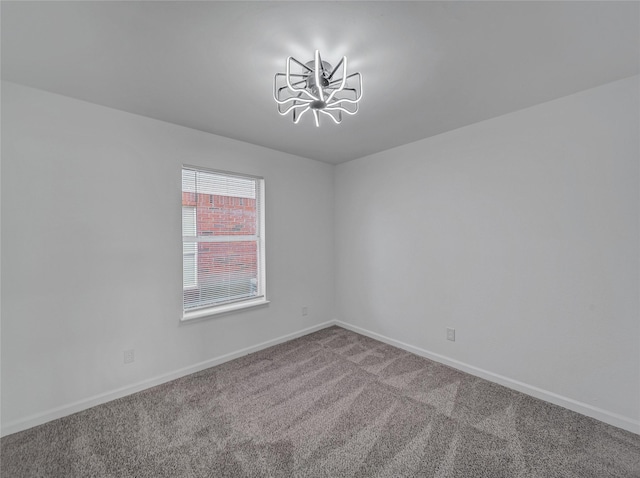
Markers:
point(222, 309)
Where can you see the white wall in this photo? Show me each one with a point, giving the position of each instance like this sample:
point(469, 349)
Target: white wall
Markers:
point(520, 232)
point(91, 252)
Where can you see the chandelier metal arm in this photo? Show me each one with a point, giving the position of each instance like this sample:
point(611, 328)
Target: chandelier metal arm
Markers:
point(297, 101)
point(296, 120)
point(318, 70)
point(288, 79)
point(333, 72)
point(344, 100)
point(277, 91)
point(344, 79)
point(340, 108)
point(282, 88)
point(336, 121)
point(355, 90)
point(340, 79)
point(294, 98)
point(301, 64)
point(292, 107)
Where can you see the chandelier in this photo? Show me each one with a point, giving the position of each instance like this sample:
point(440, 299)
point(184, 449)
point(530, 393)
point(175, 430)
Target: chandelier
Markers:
point(318, 87)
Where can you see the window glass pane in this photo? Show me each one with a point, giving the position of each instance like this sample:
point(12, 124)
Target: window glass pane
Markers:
point(226, 272)
point(222, 262)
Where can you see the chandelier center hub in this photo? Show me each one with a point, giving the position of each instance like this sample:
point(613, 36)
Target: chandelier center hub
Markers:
point(318, 105)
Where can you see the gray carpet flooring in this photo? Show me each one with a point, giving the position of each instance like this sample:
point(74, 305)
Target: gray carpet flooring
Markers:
point(330, 404)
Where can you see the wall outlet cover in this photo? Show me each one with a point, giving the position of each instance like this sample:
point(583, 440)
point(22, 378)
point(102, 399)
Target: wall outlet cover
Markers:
point(129, 356)
point(451, 334)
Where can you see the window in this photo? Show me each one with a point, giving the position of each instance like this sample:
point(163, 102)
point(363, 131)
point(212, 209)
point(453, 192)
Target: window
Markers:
point(222, 242)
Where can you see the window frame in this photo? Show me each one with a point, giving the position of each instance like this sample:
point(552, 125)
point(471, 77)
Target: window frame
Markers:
point(261, 298)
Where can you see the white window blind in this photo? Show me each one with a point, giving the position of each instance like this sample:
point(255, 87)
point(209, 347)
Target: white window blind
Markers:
point(223, 239)
point(189, 249)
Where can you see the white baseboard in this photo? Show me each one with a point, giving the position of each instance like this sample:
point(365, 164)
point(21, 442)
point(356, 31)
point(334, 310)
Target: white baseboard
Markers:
point(605, 416)
point(574, 405)
point(80, 405)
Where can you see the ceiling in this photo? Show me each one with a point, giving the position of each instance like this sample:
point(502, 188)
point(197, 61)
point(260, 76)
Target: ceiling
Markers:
point(427, 67)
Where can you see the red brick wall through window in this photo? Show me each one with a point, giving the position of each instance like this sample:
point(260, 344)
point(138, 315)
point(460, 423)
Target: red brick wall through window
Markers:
point(224, 216)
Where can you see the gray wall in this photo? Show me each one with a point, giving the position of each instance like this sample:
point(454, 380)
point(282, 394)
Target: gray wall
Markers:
point(520, 232)
point(91, 251)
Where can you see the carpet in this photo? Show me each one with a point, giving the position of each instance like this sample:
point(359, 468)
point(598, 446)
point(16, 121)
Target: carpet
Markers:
point(330, 404)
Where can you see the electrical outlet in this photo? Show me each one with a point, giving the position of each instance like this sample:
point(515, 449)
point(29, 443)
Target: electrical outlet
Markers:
point(451, 334)
point(305, 311)
point(128, 356)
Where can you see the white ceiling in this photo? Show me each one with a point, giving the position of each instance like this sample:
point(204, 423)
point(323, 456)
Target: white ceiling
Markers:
point(427, 67)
